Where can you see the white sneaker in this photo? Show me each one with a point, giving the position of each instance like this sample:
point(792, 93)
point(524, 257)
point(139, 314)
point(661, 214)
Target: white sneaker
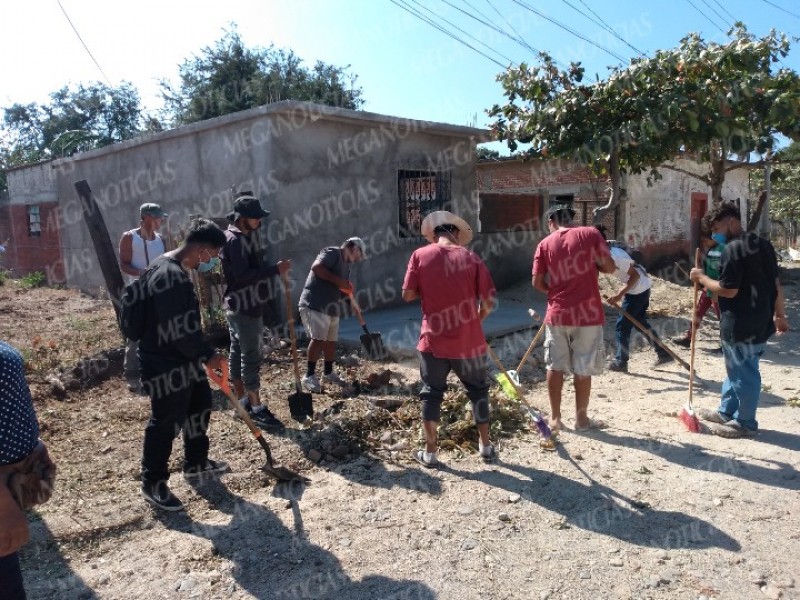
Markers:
point(311, 383)
point(333, 377)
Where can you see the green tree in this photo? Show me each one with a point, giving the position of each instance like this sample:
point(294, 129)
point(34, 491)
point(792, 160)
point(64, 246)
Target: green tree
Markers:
point(484, 153)
point(709, 100)
point(228, 77)
point(89, 116)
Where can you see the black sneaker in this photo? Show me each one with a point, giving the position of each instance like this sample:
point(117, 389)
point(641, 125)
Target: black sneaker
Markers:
point(266, 420)
point(160, 496)
point(663, 359)
point(684, 342)
point(618, 366)
point(212, 467)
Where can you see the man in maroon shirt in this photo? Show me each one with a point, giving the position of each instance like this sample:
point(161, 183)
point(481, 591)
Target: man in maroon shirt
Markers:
point(565, 267)
point(457, 293)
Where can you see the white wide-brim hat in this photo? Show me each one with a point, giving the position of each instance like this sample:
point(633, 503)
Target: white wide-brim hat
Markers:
point(444, 217)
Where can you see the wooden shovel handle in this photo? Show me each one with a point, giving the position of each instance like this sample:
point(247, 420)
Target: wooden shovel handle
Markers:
point(533, 343)
point(292, 335)
point(693, 344)
point(357, 310)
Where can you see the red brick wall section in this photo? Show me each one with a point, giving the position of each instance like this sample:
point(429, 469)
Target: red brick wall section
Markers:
point(518, 174)
point(26, 253)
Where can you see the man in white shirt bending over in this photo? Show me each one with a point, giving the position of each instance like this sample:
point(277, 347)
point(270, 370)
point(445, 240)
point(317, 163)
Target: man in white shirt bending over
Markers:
point(635, 296)
point(138, 248)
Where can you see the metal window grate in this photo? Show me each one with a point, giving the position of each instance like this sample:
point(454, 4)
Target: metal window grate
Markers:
point(419, 193)
point(34, 221)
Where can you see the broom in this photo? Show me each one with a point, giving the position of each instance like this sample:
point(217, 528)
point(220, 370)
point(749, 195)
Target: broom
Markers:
point(686, 415)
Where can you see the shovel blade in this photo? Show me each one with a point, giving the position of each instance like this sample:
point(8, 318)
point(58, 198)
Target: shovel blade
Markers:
point(284, 474)
point(373, 346)
point(301, 406)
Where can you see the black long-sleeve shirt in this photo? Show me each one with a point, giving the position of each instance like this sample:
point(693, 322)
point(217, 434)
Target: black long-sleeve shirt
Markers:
point(173, 335)
point(248, 278)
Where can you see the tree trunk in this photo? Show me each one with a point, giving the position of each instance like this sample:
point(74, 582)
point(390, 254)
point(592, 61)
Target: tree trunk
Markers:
point(614, 199)
point(716, 173)
point(756, 216)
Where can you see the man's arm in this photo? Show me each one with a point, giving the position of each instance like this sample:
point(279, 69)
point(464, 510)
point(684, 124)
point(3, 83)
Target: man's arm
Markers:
point(126, 255)
point(605, 264)
point(410, 295)
point(240, 270)
point(633, 279)
point(539, 283)
point(712, 285)
point(13, 524)
point(781, 322)
point(321, 271)
point(178, 321)
point(486, 306)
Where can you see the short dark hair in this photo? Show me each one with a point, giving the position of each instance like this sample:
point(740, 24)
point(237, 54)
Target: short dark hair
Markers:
point(205, 232)
point(723, 210)
point(447, 228)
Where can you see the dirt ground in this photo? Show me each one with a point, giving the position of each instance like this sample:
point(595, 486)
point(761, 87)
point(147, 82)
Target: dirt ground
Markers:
point(642, 509)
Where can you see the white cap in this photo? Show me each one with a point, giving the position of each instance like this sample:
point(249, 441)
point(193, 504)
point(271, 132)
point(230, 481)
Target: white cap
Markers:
point(357, 241)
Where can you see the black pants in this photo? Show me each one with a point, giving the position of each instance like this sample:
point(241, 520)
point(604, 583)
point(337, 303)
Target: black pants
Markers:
point(472, 373)
point(11, 578)
point(180, 400)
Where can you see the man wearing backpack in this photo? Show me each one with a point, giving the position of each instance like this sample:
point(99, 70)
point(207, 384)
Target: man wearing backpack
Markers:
point(138, 248)
point(172, 352)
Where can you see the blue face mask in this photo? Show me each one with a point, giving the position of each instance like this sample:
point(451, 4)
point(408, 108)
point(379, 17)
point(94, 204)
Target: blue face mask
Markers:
point(205, 267)
point(720, 238)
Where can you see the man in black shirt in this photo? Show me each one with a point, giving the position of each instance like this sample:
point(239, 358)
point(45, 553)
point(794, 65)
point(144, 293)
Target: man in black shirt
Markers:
point(171, 356)
point(752, 308)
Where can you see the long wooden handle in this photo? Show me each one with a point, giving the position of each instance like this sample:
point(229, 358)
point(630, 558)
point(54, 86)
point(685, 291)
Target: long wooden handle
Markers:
point(500, 366)
point(357, 310)
point(648, 333)
point(292, 334)
point(695, 290)
point(533, 343)
point(222, 384)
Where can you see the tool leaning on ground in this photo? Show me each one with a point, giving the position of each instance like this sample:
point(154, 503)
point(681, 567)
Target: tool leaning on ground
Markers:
point(648, 333)
point(301, 404)
point(687, 415)
point(280, 473)
point(548, 441)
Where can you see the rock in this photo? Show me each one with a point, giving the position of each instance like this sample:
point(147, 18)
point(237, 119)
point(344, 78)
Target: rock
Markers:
point(340, 451)
point(585, 575)
point(545, 594)
point(349, 361)
point(616, 562)
point(666, 577)
point(469, 544)
point(314, 455)
point(514, 498)
point(653, 582)
point(401, 445)
point(504, 517)
point(771, 591)
point(662, 555)
point(756, 577)
point(613, 550)
point(345, 542)
point(465, 510)
point(104, 579)
point(186, 585)
point(386, 437)
point(702, 597)
point(717, 502)
point(784, 583)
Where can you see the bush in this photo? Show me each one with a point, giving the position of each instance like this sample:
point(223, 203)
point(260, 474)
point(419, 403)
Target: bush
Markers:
point(32, 280)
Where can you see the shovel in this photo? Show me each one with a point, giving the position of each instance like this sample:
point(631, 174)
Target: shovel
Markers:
point(280, 473)
point(508, 388)
point(301, 405)
point(372, 342)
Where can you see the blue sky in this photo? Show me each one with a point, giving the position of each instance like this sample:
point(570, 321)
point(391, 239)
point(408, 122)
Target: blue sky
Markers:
point(405, 67)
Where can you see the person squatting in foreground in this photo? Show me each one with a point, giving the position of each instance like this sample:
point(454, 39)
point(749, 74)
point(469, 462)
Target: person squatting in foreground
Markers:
point(320, 307)
point(172, 353)
point(457, 293)
point(247, 292)
point(752, 308)
point(565, 268)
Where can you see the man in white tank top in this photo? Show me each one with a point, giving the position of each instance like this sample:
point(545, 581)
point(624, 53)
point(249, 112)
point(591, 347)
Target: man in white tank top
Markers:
point(138, 248)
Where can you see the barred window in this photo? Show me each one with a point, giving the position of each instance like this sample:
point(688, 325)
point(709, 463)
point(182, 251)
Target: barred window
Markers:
point(419, 193)
point(34, 221)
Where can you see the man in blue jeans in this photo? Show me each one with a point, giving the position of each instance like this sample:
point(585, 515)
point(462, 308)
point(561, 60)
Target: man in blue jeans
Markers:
point(248, 281)
point(635, 296)
point(752, 308)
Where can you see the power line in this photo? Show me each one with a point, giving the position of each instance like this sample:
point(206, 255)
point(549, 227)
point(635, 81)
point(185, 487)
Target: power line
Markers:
point(718, 3)
point(568, 30)
point(714, 10)
point(520, 39)
point(422, 17)
point(602, 24)
point(485, 45)
point(787, 11)
point(704, 14)
point(85, 47)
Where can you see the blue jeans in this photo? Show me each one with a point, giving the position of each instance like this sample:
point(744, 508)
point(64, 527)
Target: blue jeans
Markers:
point(245, 357)
point(742, 386)
point(635, 305)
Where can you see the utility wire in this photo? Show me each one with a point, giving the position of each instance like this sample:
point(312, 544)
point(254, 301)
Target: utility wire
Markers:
point(718, 3)
point(441, 18)
point(714, 10)
point(85, 47)
point(568, 30)
point(520, 39)
point(603, 26)
point(422, 17)
point(787, 11)
point(705, 15)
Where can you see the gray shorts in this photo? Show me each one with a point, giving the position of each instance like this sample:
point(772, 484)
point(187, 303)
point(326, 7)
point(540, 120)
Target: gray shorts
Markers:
point(319, 326)
point(579, 350)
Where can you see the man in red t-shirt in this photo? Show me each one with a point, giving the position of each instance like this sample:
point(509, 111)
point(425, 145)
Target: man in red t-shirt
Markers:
point(565, 267)
point(457, 293)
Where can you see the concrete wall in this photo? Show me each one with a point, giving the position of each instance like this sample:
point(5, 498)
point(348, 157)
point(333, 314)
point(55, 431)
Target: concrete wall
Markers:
point(325, 176)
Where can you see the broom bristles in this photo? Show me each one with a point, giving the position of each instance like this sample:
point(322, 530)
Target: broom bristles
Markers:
point(689, 420)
